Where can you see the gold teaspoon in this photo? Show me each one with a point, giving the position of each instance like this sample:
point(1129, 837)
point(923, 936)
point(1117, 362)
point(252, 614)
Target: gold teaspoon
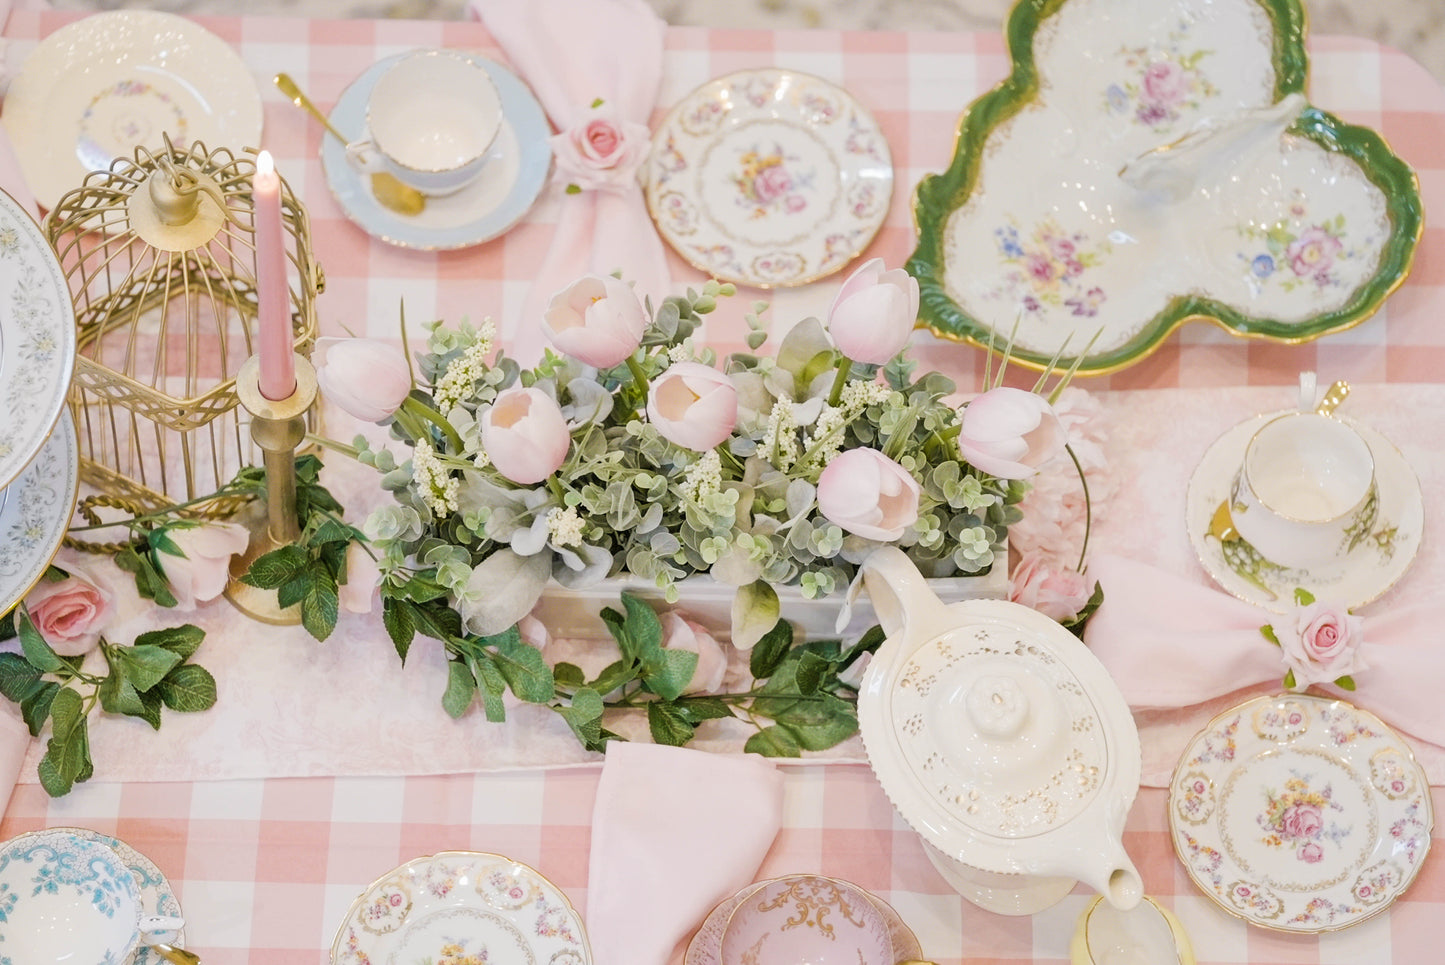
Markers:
point(178, 956)
point(401, 198)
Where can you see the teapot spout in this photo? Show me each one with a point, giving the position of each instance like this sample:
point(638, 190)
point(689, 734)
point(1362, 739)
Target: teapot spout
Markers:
point(1114, 877)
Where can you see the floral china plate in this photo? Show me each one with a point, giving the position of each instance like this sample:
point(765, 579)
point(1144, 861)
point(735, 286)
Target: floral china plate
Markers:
point(510, 184)
point(1299, 813)
point(768, 177)
point(458, 907)
point(35, 511)
point(1152, 162)
point(98, 88)
point(37, 340)
point(1375, 564)
point(157, 897)
point(706, 945)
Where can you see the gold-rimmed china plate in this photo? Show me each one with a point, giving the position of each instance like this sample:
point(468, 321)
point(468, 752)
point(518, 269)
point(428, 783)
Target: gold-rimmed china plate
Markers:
point(35, 513)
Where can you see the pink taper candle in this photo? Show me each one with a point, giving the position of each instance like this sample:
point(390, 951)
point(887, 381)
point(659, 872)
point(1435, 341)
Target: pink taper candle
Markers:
point(278, 369)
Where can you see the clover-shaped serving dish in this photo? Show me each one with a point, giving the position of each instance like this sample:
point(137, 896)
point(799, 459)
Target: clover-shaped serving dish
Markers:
point(1150, 162)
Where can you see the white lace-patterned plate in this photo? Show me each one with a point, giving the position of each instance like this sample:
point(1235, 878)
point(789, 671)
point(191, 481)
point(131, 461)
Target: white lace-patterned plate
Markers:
point(35, 512)
point(97, 89)
point(37, 339)
point(1300, 814)
point(706, 945)
point(461, 906)
point(156, 895)
point(1367, 571)
point(769, 178)
point(502, 196)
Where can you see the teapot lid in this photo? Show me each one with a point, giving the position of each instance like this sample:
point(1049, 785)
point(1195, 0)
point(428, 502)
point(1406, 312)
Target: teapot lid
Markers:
point(990, 726)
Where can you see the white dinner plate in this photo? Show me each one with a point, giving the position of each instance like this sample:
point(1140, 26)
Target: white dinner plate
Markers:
point(34, 513)
point(508, 187)
point(98, 88)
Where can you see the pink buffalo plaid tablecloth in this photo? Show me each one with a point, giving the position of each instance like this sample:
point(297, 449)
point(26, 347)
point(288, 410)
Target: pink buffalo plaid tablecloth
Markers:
point(265, 869)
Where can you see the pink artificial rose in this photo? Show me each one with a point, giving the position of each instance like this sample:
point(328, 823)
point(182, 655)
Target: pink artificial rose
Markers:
point(201, 574)
point(601, 151)
point(1310, 853)
point(1312, 254)
point(1302, 821)
point(771, 183)
point(869, 495)
point(693, 405)
point(680, 633)
point(367, 378)
point(1165, 83)
point(1321, 644)
point(1059, 593)
point(874, 313)
point(71, 613)
point(525, 435)
point(358, 593)
point(597, 320)
point(1010, 433)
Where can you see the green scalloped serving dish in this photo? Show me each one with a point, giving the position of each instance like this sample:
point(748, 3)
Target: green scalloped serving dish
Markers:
point(1146, 164)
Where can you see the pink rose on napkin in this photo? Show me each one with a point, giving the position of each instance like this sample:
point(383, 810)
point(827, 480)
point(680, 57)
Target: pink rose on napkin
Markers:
point(1059, 593)
point(367, 378)
point(1320, 643)
point(693, 405)
point(869, 495)
point(601, 151)
point(597, 320)
point(358, 593)
point(873, 313)
point(201, 573)
point(1010, 433)
point(71, 613)
point(525, 435)
point(680, 633)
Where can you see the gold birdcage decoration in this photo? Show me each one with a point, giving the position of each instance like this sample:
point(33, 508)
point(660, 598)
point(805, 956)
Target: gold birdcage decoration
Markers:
point(159, 253)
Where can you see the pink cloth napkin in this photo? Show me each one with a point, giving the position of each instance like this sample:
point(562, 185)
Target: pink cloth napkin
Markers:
point(11, 179)
point(14, 742)
point(572, 53)
point(674, 832)
point(1172, 643)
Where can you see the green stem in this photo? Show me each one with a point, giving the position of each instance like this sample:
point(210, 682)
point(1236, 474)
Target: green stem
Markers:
point(312, 439)
point(639, 377)
point(835, 395)
point(420, 409)
point(1088, 507)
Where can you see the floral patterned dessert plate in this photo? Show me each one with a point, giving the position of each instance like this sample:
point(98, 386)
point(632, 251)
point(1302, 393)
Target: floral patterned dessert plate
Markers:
point(1375, 564)
point(706, 945)
point(157, 897)
point(461, 908)
point(35, 512)
point(1299, 813)
point(1152, 162)
point(769, 177)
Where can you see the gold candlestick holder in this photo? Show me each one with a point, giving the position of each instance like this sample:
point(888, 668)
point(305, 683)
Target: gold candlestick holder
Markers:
point(277, 427)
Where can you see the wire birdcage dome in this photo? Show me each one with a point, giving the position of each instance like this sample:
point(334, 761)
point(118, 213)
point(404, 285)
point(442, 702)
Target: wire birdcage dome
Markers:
point(159, 253)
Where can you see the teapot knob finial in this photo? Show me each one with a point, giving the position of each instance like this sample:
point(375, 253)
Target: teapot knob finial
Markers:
point(998, 706)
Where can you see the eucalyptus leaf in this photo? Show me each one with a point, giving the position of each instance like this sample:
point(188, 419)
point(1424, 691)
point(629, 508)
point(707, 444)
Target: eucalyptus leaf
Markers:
point(502, 590)
point(755, 612)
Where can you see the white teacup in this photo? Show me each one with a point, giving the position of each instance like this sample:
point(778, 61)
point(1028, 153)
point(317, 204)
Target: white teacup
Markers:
point(431, 119)
point(1305, 494)
point(71, 902)
point(806, 918)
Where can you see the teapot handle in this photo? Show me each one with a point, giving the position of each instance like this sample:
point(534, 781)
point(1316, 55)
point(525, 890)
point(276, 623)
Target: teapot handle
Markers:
point(900, 595)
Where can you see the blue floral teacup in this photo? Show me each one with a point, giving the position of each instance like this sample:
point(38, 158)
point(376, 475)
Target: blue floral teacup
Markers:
point(67, 899)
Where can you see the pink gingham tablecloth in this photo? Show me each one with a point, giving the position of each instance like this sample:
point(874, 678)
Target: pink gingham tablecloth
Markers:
point(266, 868)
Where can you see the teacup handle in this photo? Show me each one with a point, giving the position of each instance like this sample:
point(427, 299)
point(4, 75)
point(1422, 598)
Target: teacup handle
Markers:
point(364, 156)
point(152, 924)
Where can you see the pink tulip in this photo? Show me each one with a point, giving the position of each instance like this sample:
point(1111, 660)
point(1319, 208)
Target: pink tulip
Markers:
point(874, 312)
point(71, 613)
point(1010, 433)
point(679, 633)
point(693, 406)
point(201, 574)
point(367, 378)
point(357, 594)
point(869, 495)
point(597, 320)
point(525, 435)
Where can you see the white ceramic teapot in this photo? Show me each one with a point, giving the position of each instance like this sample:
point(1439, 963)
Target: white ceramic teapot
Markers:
point(1002, 741)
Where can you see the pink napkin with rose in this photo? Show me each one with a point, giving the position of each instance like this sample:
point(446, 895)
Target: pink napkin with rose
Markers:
point(595, 65)
point(1171, 643)
point(674, 832)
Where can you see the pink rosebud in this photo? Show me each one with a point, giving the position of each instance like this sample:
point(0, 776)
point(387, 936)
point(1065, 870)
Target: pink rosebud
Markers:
point(525, 435)
point(1311, 853)
point(201, 574)
point(874, 312)
point(358, 593)
point(680, 633)
point(597, 320)
point(1321, 643)
point(600, 151)
point(693, 406)
point(367, 378)
point(1059, 593)
point(71, 613)
point(1010, 433)
point(868, 494)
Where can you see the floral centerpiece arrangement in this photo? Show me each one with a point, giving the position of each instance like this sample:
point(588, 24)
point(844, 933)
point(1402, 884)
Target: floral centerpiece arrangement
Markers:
point(630, 451)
